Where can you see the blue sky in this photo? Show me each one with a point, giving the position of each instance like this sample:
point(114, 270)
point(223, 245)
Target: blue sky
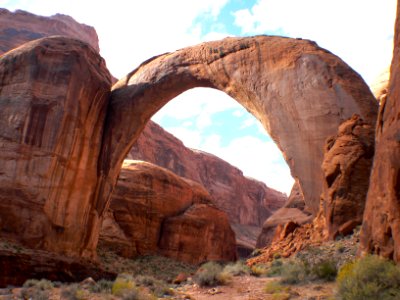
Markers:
point(359, 31)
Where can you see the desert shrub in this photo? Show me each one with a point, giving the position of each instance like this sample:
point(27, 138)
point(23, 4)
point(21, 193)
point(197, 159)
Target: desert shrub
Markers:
point(371, 277)
point(275, 268)
point(72, 292)
point(42, 284)
point(158, 287)
point(258, 270)
point(33, 293)
point(277, 290)
point(236, 269)
point(324, 270)
point(294, 271)
point(256, 252)
point(123, 284)
point(102, 286)
point(210, 274)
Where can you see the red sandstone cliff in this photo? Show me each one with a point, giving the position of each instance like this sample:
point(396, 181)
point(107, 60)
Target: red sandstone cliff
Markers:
point(247, 202)
point(19, 27)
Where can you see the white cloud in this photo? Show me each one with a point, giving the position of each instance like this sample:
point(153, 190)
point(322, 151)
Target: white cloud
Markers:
point(358, 31)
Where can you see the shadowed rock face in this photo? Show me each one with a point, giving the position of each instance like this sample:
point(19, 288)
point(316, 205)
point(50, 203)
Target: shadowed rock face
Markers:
point(298, 91)
point(53, 101)
point(380, 231)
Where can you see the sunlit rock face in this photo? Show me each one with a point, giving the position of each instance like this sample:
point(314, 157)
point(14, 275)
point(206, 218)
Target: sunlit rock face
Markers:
point(19, 27)
point(247, 202)
point(380, 232)
point(53, 100)
point(298, 91)
point(154, 211)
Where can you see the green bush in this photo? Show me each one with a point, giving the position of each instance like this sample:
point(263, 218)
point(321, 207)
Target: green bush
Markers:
point(236, 269)
point(102, 286)
point(211, 274)
point(259, 270)
point(371, 277)
point(71, 292)
point(293, 272)
point(275, 268)
point(325, 270)
point(123, 284)
point(156, 286)
point(278, 291)
point(42, 284)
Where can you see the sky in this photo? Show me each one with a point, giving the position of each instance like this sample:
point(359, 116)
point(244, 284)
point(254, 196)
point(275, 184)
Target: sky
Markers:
point(131, 31)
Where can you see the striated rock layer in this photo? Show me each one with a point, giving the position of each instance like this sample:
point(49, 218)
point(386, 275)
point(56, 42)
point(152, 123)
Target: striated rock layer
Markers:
point(53, 101)
point(19, 27)
point(247, 202)
point(298, 91)
point(380, 231)
point(347, 166)
point(154, 211)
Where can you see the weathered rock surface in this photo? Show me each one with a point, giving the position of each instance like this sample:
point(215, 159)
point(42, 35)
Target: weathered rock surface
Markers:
point(380, 231)
point(199, 235)
point(280, 218)
point(17, 267)
point(298, 91)
point(347, 167)
point(154, 211)
point(247, 202)
point(19, 27)
point(53, 101)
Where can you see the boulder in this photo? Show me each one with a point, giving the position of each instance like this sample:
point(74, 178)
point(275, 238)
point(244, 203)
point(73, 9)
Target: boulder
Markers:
point(347, 167)
point(154, 211)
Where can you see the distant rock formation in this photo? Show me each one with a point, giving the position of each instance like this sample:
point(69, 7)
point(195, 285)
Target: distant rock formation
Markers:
point(380, 233)
point(247, 202)
point(19, 27)
point(347, 167)
point(154, 211)
point(380, 85)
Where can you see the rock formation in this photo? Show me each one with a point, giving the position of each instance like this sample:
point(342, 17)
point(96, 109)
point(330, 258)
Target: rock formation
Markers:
point(19, 27)
point(247, 201)
point(53, 101)
point(380, 86)
point(347, 166)
point(154, 211)
point(61, 169)
point(380, 231)
point(294, 210)
point(298, 91)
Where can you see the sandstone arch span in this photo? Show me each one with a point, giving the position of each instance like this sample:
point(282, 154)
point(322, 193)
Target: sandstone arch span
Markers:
point(63, 138)
point(298, 91)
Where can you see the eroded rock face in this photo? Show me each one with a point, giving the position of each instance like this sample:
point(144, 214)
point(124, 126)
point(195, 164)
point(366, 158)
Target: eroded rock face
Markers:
point(53, 100)
point(380, 85)
point(299, 92)
point(380, 231)
point(279, 219)
point(19, 27)
point(154, 211)
point(347, 167)
point(247, 202)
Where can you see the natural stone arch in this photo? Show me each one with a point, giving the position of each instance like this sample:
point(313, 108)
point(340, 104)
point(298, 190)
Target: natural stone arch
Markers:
point(298, 91)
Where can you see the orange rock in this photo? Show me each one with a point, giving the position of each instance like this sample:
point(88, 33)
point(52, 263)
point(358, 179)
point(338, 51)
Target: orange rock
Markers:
point(19, 27)
point(149, 202)
point(53, 100)
point(247, 202)
point(298, 91)
point(380, 233)
point(347, 166)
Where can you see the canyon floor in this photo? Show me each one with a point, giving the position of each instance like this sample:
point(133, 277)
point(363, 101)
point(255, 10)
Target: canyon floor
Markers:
point(154, 278)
